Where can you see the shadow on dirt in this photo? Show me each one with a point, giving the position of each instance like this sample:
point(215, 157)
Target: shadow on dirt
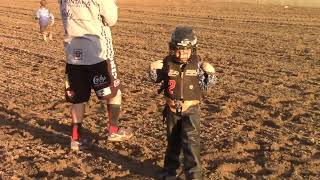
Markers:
point(52, 133)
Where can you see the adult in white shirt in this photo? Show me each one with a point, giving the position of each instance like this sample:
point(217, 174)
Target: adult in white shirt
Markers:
point(90, 63)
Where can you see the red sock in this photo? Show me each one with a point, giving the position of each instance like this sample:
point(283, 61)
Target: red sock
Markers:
point(76, 131)
point(113, 129)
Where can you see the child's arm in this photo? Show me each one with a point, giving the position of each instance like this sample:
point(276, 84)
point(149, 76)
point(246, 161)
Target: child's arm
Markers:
point(156, 71)
point(37, 15)
point(206, 75)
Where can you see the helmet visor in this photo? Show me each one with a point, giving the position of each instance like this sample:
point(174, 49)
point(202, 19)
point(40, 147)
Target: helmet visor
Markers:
point(183, 47)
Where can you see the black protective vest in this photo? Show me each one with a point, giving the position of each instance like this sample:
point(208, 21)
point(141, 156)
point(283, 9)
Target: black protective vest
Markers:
point(181, 80)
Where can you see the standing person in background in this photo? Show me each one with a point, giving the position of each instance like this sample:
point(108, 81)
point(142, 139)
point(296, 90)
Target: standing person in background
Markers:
point(46, 20)
point(90, 64)
point(184, 76)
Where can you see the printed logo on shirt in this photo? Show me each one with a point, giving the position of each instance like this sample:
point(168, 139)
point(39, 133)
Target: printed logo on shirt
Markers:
point(97, 80)
point(104, 92)
point(113, 69)
point(78, 3)
point(66, 14)
point(191, 73)
point(77, 54)
point(173, 73)
point(172, 85)
point(70, 93)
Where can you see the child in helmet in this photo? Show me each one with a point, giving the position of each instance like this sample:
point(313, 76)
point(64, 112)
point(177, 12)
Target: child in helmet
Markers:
point(46, 20)
point(184, 76)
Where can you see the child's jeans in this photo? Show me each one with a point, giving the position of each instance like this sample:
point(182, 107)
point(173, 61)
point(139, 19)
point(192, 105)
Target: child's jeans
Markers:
point(183, 134)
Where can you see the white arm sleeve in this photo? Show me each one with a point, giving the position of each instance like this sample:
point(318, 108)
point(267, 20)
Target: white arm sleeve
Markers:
point(38, 13)
point(109, 10)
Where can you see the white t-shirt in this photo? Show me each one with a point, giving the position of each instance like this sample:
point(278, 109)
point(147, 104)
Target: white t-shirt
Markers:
point(82, 18)
point(45, 15)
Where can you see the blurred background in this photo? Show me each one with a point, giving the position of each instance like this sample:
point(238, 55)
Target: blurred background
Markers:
point(309, 3)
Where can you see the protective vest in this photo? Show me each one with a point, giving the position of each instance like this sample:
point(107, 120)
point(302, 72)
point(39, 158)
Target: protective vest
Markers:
point(181, 80)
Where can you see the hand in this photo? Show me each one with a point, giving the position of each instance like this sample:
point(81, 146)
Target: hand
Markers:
point(208, 68)
point(155, 71)
point(206, 76)
point(156, 65)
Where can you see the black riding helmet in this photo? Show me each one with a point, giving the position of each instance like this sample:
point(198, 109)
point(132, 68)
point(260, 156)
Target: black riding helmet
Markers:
point(183, 37)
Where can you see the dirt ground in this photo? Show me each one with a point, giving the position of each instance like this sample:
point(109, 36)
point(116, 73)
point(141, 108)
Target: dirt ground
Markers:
point(260, 121)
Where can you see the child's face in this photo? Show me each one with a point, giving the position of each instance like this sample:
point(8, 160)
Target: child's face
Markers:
point(43, 3)
point(183, 55)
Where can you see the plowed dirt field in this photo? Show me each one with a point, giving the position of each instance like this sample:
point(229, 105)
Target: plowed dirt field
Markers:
point(260, 121)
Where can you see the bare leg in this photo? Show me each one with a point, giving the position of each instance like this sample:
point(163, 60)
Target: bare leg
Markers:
point(114, 107)
point(116, 133)
point(44, 34)
point(77, 112)
point(116, 99)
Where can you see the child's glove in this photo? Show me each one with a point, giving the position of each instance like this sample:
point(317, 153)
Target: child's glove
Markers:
point(206, 75)
point(155, 71)
point(208, 68)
